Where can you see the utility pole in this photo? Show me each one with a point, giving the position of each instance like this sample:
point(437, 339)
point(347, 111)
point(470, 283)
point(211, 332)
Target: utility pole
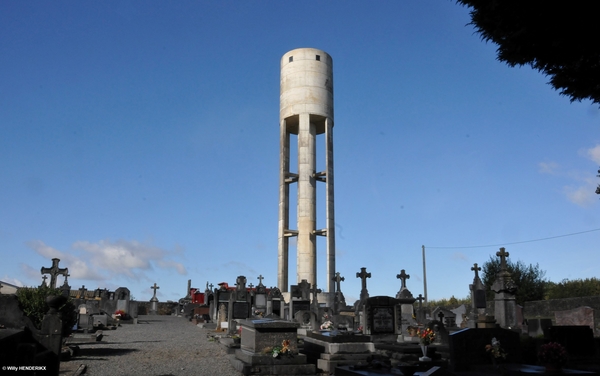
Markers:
point(424, 277)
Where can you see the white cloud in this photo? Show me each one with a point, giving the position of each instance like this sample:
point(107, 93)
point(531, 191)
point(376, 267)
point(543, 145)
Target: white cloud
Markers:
point(594, 154)
point(548, 168)
point(459, 256)
point(583, 196)
point(78, 268)
point(106, 260)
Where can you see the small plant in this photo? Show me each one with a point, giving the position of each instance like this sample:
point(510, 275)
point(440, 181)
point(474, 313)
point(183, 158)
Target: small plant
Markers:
point(495, 349)
point(554, 354)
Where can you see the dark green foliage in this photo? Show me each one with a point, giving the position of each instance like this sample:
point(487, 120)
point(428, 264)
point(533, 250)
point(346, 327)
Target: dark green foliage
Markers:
point(529, 279)
point(33, 303)
point(574, 289)
point(449, 303)
point(558, 38)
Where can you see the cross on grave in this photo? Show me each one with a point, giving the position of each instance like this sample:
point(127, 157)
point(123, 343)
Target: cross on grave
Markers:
point(54, 271)
point(82, 292)
point(476, 268)
point(503, 255)
point(363, 275)
point(211, 286)
point(44, 280)
point(251, 286)
point(154, 288)
point(66, 282)
point(403, 276)
point(420, 298)
point(315, 302)
point(337, 280)
point(441, 316)
point(260, 278)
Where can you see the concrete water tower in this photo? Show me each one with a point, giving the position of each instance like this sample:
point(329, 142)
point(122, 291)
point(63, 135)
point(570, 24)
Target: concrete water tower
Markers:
point(306, 110)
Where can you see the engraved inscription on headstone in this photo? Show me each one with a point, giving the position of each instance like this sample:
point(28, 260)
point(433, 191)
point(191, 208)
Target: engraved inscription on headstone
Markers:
point(383, 319)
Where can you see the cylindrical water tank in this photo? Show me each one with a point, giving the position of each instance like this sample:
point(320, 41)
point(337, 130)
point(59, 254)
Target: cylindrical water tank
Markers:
point(306, 83)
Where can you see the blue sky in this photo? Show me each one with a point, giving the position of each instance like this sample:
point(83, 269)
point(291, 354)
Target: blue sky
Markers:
point(140, 141)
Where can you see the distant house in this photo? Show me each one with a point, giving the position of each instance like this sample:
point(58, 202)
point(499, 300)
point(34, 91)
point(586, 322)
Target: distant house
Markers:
point(8, 288)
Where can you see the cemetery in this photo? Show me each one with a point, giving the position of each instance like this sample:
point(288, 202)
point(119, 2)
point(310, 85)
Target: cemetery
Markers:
point(245, 328)
point(262, 331)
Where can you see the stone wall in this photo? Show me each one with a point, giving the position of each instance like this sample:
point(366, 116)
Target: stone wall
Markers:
point(163, 308)
point(544, 309)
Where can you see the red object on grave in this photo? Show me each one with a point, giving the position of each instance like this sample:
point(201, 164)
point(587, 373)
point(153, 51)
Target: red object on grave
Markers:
point(197, 297)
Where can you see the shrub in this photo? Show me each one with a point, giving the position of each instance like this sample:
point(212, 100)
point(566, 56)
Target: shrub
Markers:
point(33, 303)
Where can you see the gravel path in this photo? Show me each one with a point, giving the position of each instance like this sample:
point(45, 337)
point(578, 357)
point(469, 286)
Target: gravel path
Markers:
point(157, 346)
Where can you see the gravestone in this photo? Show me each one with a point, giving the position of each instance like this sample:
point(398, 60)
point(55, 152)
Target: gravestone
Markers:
point(260, 336)
point(54, 272)
point(122, 294)
point(467, 347)
point(575, 317)
point(382, 317)
point(84, 319)
point(299, 298)
point(339, 301)
point(406, 304)
point(260, 298)
point(275, 302)
point(222, 322)
point(343, 322)
point(364, 293)
point(460, 314)
point(447, 316)
point(333, 349)
point(478, 300)
point(154, 301)
point(307, 320)
point(505, 305)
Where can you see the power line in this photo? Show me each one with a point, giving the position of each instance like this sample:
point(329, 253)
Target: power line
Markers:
point(521, 242)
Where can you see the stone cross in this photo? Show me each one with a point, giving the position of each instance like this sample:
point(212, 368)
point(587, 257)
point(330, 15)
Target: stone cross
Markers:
point(54, 271)
point(315, 302)
point(403, 276)
point(337, 280)
point(363, 275)
point(251, 285)
point(503, 255)
point(476, 268)
point(260, 278)
point(44, 280)
point(420, 298)
point(154, 288)
point(82, 291)
point(66, 282)
point(211, 286)
point(441, 316)
point(304, 287)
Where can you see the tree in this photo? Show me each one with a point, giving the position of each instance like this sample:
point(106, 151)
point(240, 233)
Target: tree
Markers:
point(559, 39)
point(575, 288)
point(529, 280)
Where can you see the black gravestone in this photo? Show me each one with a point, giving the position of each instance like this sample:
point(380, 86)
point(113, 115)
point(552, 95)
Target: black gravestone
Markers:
point(300, 305)
point(276, 307)
point(241, 310)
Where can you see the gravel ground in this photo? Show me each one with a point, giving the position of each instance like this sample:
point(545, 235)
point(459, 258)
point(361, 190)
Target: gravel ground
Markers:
point(158, 346)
